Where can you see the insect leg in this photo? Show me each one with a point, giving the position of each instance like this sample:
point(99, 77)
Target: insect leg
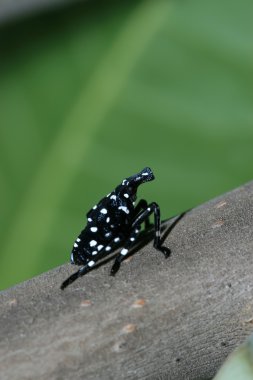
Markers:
point(142, 205)
point(153, 208)
point(81, 272)
point(124, 251)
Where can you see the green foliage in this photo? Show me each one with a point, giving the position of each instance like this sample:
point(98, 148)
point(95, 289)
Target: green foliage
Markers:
point(95, 92)
point(239, 365)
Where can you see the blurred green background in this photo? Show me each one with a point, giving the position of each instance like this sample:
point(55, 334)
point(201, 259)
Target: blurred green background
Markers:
point(93, 92)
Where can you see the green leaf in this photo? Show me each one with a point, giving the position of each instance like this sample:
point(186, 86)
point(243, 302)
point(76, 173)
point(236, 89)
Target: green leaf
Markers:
point(239, 365)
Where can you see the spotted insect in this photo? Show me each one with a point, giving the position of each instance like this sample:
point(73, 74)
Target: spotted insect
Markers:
point(115, 222)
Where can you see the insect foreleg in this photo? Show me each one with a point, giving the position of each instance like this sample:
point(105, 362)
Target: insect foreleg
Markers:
point(142, 205)
point(153, 208)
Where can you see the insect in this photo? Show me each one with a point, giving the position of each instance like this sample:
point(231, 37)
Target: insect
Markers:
point(115, 222)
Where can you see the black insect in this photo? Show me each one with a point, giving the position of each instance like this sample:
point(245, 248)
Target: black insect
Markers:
point(115, 222)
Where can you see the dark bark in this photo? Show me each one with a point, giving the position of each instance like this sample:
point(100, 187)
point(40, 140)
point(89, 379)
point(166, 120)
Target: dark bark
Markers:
point(157, 319)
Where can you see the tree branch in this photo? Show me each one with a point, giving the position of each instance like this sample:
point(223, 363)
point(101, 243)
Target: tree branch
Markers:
point(157, 319)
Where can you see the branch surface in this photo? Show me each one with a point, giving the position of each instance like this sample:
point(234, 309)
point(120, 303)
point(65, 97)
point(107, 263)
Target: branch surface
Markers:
point(157, 319)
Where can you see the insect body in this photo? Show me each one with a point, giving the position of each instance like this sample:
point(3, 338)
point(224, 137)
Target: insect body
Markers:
point(115, 222)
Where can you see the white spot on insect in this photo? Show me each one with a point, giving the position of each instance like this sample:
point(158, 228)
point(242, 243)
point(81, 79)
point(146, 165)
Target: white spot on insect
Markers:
point(94, 207)
point(72, 258)
point(78, 240)
point(148, 208)
point(124, 181)
point(132, 239)
point(126, 195)
point(107, 219)
point(89, 220)
point(125, 209)
point(100, 246)
point(113, 197)
point(124, 251)
point(93, 243)
point(108, 195)
point(117, 239)
point(145, 173)
point(94, 229)
point(103, 211)
point(94, 253)
point(108, 248)
point(108, 234)
point(75, 245)
point(91, 263)
point(136, 230)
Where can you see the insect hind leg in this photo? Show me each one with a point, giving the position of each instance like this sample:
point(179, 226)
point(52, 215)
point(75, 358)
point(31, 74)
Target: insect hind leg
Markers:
point(81, 272)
